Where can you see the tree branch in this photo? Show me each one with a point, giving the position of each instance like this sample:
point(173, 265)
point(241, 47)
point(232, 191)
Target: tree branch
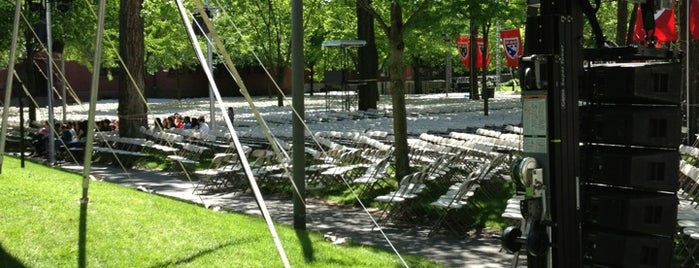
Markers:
point(366, 5)
point(417, 11)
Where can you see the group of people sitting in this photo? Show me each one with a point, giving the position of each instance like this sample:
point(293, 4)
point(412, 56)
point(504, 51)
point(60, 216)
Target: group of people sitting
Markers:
point(185, 122)
point(71, 134)
point(67, 135)
point(182, 122)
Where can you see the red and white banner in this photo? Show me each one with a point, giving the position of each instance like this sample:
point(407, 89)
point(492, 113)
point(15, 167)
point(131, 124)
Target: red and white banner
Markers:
point(463, 44)
point(512, 43)
point(665, 30)
point(694, 19)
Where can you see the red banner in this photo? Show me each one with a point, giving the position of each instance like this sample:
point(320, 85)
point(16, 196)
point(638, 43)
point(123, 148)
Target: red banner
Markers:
point(512, 43)
point(694, 19)
point(463, 44)
point(665, 30)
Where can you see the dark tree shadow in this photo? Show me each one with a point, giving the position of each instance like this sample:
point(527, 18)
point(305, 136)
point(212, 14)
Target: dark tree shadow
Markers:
point(306, 245)
point(190, 258)
point(7, 260)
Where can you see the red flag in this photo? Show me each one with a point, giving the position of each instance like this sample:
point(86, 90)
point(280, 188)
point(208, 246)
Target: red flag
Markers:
point(479, 64)
point(694, 19)
point(512, 43)
point(665, 29)
point(463, 44)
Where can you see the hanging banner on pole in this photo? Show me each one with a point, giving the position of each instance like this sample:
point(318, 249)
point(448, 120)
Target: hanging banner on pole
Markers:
point(512, 43)
point(482, 51)
point(665, 30)
point(463, 44)
point(694, 19)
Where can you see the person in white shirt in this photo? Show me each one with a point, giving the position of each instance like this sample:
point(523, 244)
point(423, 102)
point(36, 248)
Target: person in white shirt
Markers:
point(202, 124)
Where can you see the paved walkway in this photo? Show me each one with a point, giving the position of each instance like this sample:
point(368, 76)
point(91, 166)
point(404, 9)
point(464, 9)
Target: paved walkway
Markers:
point(476, 251)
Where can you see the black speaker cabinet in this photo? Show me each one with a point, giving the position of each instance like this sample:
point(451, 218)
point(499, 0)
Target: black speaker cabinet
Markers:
point(625, 210)
point(633, 83)
point(647, 169)
point(622, 250)
point(652, 126)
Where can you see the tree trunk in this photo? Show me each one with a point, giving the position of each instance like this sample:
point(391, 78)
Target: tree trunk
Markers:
point(622, 17)
point(132, 108)
point(368, 94)
point(397, 75)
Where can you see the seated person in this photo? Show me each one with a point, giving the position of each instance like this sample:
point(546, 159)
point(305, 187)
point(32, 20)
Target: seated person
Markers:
point(202, 124)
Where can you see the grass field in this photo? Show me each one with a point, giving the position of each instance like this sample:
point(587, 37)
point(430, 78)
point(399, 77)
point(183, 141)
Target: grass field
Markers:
point(41, 214)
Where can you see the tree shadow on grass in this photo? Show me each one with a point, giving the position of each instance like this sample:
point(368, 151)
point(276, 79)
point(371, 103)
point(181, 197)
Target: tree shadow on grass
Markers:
point(7, 260)
point(190, 258)
point(306, 245)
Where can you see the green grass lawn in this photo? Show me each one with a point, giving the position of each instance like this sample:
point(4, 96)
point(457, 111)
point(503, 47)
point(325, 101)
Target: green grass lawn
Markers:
point(40, 218)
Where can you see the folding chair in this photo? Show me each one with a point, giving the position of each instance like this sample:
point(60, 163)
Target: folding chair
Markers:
point(456, 197)
point(372, 176)
point(213, 176)
point(395, 202)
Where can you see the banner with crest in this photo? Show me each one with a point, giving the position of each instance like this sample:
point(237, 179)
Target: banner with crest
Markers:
point(512, 42)
point(463, 44)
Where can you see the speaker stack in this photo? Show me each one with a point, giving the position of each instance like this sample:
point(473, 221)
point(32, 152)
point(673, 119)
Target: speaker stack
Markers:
point(630, 132)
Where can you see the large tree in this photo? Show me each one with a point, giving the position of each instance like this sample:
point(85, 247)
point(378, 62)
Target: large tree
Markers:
point(368, 60)
point(132, 105)
point(394, 29)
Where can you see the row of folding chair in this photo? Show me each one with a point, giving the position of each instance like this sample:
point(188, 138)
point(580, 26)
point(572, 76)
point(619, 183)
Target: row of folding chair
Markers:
point(219, 173)
point(114, 149)
point(163, 142)
point(187, 158)
point(429, 148)
point(355, 139)
point(397, 203)
point(514, 129)
point(341, 166)
point(690, 153)
point(329, 145)
point(223, 171)
point(476, 149)
point(457, 196)
point(488, 133)
point(508, 144)
point(688, 213)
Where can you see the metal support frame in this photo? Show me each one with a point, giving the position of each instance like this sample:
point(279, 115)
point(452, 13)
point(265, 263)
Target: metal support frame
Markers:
point(553, 47)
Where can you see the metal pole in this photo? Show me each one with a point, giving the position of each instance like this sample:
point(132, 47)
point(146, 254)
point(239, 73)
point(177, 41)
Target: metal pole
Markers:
point(497, 55)
point(94, 86)
point(210, 59)
point(239, 148)
point(21, 129)
point(686, 69)
point(8, 82)
point(298, 131)
point(447, 70)
point(49, 85)
point(87, 160)
point(63, 86)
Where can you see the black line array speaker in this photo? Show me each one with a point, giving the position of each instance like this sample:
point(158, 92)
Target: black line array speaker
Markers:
point(630, 132)
point(634, 83)
point(626, 250)
point(653, 170)
point(654, 126)
point(627, 210)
